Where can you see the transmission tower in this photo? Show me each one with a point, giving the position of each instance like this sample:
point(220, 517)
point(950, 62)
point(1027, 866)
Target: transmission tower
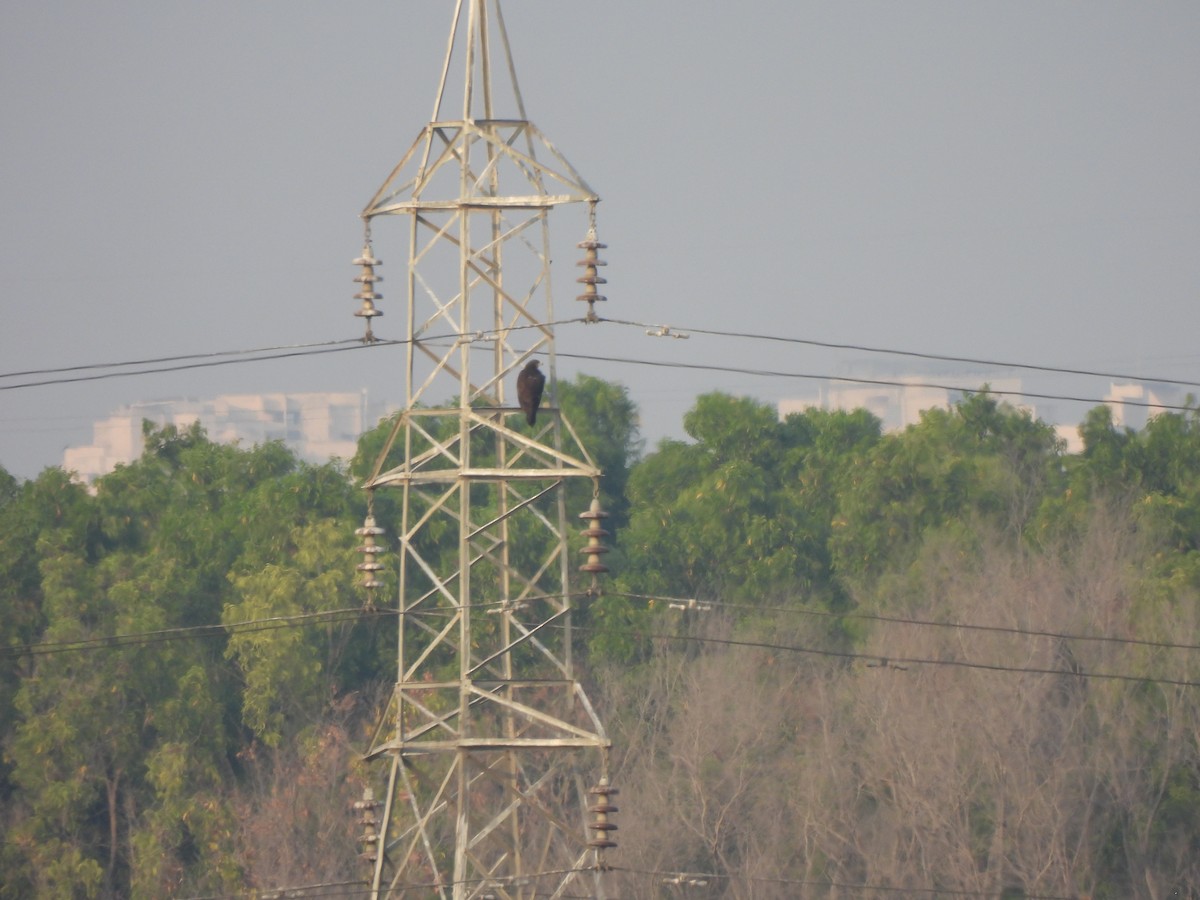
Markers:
point(497, 783)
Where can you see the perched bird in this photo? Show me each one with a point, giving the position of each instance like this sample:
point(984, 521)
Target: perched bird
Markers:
point(530, 384)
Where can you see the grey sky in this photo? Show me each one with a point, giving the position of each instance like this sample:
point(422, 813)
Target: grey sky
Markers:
point(1007, 180)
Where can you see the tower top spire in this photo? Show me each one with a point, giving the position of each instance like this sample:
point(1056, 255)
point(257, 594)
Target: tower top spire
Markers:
point(478, 53)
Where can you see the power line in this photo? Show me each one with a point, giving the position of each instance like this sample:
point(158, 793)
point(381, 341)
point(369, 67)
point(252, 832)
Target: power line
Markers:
point(737, 370)
point(166, 359)
point(908, 661)
point(312, 350)
point(115, 642)
point(932, 623)
point(188, 632)
point(912, 353)
point(298, 892)
point(228, 357)
point(250, 626)
point(840, 885)
point(883, 382)
point(698, 879)
point(271, 353)
point(348, 889)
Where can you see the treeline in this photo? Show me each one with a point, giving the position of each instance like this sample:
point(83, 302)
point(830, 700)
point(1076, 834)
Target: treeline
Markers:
point(833, 661)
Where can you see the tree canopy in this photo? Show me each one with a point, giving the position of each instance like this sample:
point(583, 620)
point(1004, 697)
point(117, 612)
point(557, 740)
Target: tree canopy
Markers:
point(784, 650)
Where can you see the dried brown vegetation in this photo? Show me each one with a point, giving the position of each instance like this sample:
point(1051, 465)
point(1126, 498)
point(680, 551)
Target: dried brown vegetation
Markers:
point(787, 774)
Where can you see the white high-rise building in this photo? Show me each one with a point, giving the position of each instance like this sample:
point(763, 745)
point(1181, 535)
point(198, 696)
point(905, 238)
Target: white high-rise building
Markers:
point(315, 426)
point(898, 400)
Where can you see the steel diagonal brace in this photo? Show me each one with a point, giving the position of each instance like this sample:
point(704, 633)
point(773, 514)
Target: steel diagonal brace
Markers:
point(504, 515)
point(434, 507)
point(436, 720)
point(528, 797)
point(437, 446)
point(537, 716)
point(528, 444)
point(529, 583)
point(418, 817)
point(515, 230)
point(442, 638)
point(527, 635)
point(420, 828)
point(533, 168)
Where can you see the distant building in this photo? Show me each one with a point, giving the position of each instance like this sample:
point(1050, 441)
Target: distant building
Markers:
point(898, 400)
point(315, 426)
point(1148, 401)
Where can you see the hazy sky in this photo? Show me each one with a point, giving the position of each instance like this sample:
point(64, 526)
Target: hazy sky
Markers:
point(1006, 180)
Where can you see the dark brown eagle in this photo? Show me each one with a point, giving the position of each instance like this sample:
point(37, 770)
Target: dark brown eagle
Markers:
point(530, 384)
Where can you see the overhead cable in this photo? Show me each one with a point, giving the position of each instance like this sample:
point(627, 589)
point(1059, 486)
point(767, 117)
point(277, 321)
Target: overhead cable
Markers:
point(907, 661)
point(312, 350)
point(166, 359)
point(899, 620)
point(229, 357)
point(937, 357)
point(187, 632)
point(116, 642)
point(736, 370)
point(218, 358)
point(685, 878)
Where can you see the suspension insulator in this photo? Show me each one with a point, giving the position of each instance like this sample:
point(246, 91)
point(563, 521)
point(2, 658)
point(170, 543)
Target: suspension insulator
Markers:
point(601, 808)
point(370, 566)
point(367, 278)
point(594, 548)
point(369, 839)
point(590, 279)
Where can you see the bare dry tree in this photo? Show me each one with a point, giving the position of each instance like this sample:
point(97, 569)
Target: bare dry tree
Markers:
point(794, 775)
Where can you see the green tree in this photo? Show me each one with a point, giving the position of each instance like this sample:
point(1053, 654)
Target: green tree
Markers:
point(95, 725)
point(745, 511)
point(606, 420)
point(980, 459)
point(35, 518)
point(290, 674)
point(122, 756)
point(1155, 472)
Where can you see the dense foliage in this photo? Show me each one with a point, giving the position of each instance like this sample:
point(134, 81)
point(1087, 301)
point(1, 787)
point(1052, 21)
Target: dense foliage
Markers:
point(822, 722)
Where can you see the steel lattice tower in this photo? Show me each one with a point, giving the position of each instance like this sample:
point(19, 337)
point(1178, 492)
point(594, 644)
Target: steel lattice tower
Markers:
point(488, 733)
